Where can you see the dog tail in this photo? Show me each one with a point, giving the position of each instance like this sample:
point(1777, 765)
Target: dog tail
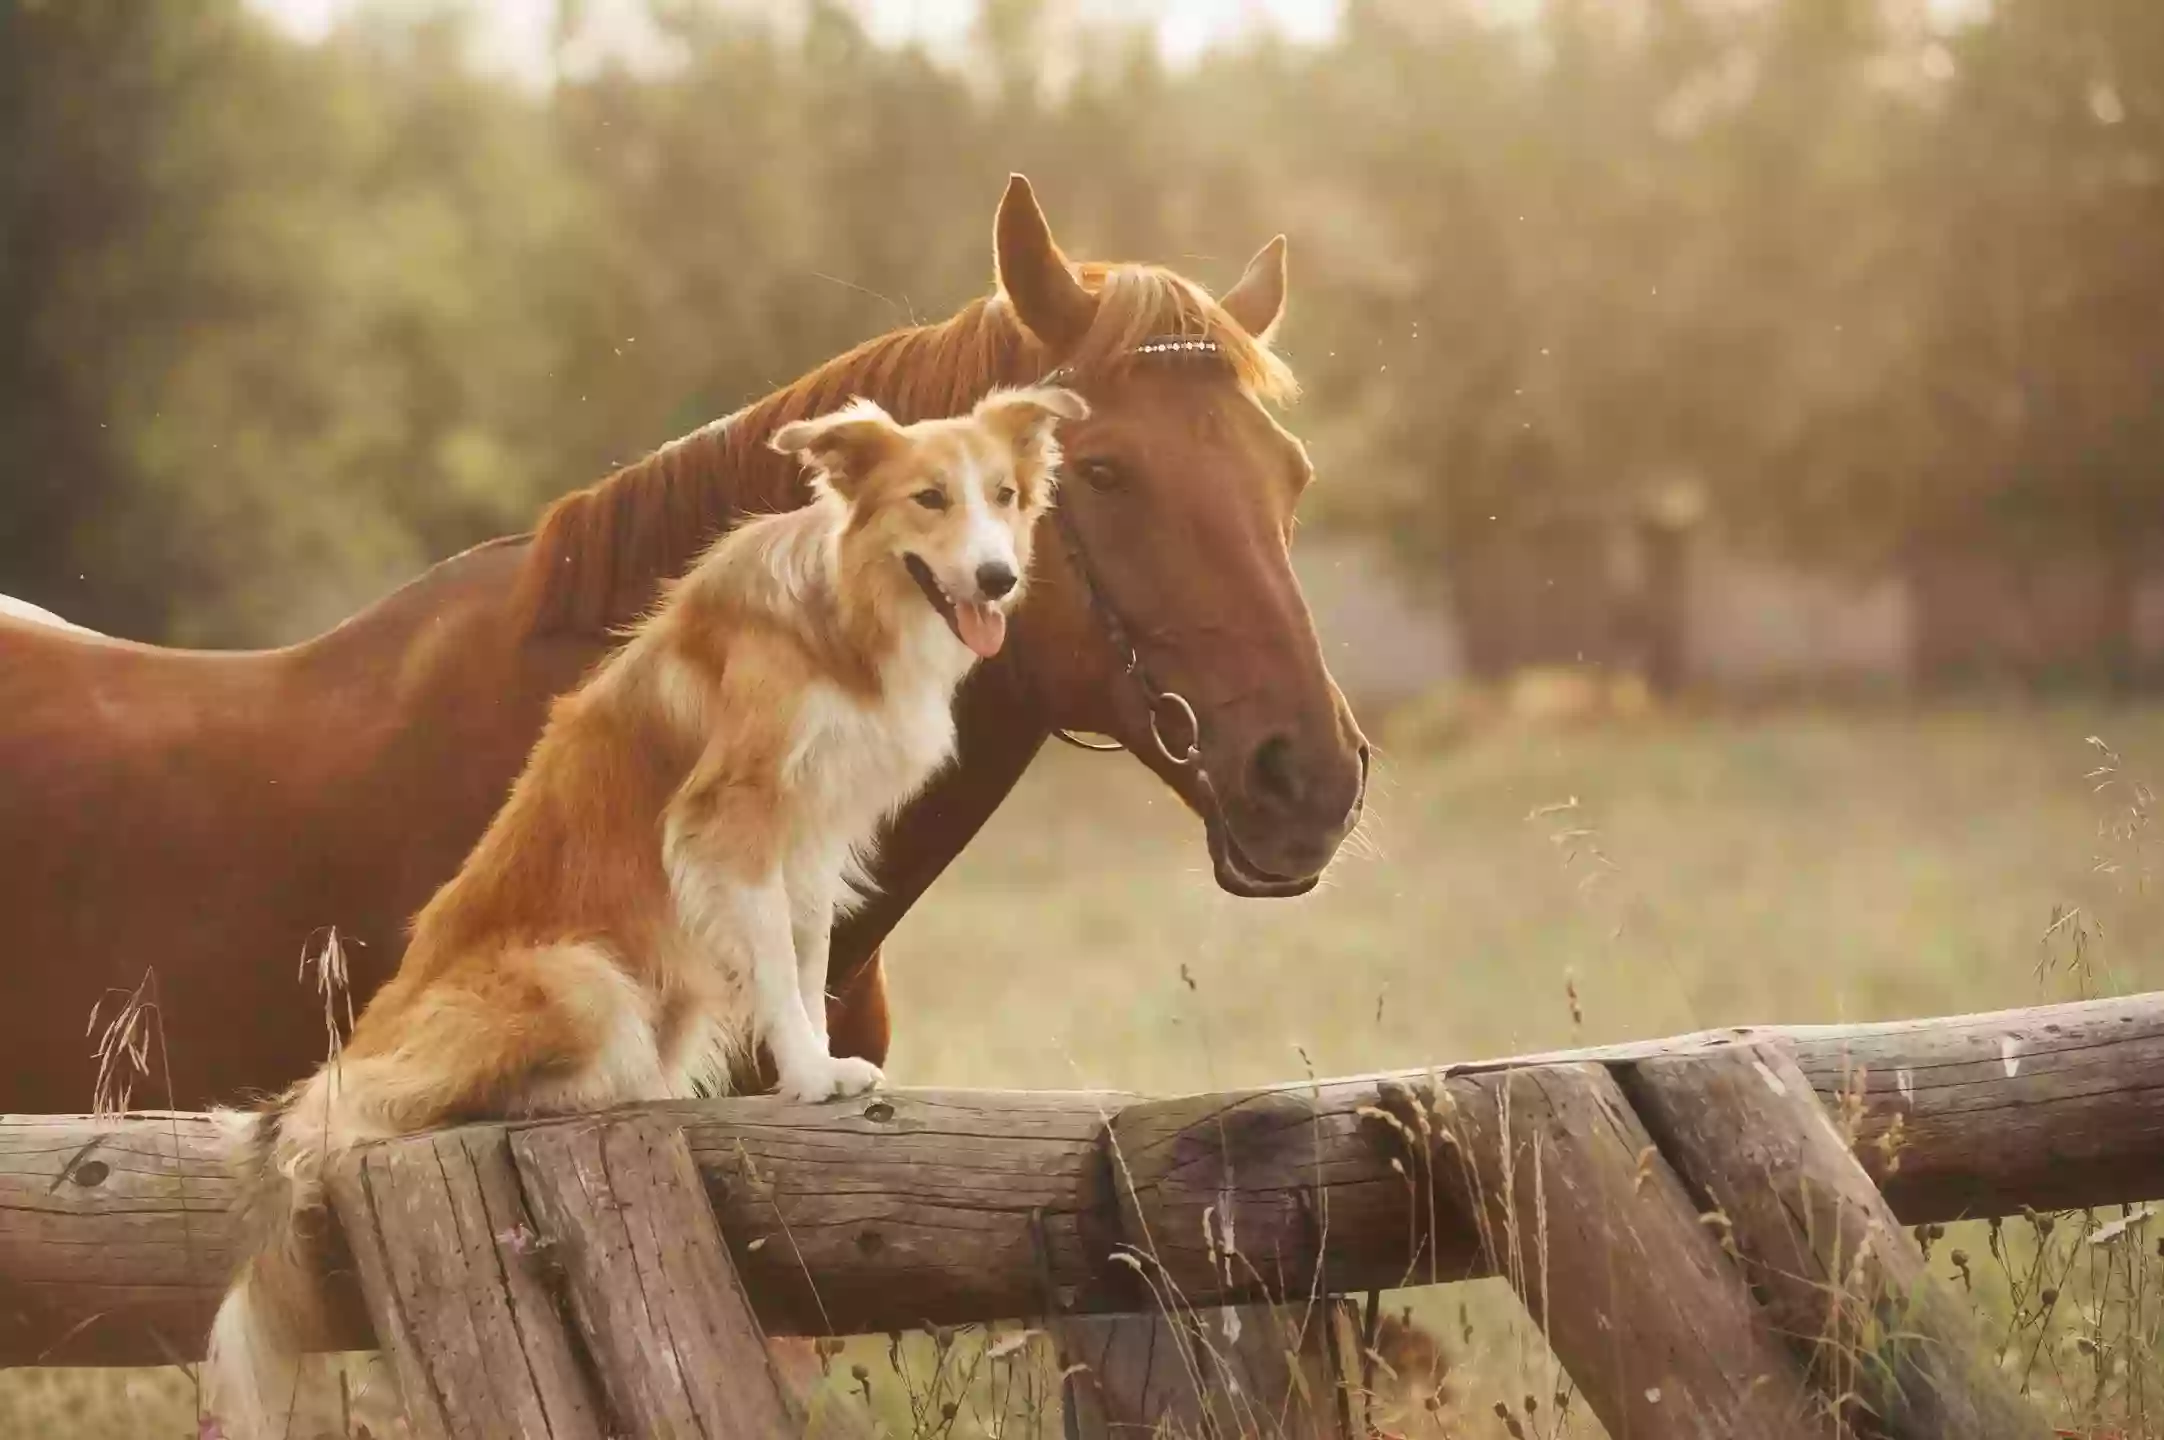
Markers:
point(273, 1313)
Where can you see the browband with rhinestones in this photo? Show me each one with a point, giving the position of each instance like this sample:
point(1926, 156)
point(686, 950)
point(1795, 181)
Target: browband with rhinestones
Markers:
point(1164, 345)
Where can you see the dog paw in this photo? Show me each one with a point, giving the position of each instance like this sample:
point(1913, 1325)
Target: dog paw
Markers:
point(854, 1077)
point(831, 1078)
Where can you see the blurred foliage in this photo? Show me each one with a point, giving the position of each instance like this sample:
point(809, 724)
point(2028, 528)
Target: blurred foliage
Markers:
point(282, 321)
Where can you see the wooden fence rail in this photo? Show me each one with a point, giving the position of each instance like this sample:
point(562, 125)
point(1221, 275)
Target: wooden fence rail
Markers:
point(948, 1206)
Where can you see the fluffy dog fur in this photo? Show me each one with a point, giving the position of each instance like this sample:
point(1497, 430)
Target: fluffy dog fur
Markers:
point(658, 890)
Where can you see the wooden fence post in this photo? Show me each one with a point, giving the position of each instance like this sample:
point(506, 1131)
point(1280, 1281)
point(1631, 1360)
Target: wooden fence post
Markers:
point(620, 1208)
point(1206, 1370)
point(1822, 1246)
point(1578, 1211)
point(963, 1205)
point(1215, 1374)
point(436, 1227)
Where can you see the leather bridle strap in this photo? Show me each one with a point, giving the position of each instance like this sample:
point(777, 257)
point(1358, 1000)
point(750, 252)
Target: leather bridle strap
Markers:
point(1156, 699)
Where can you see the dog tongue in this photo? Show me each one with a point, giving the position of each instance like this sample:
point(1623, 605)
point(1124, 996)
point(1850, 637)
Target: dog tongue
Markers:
point(983, 628)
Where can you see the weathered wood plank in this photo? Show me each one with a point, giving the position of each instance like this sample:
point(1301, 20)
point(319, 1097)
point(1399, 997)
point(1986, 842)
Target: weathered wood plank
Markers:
point(619, 1207)
point(921, 1201)
point(438, 1232)
point(114, 1238)
point(1836, 1270)
point(2054, 1107)
point(1285, 1192)
point(1605, 1247)
point(882, 1212)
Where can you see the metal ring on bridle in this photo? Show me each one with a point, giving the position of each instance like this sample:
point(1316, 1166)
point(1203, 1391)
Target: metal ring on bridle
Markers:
point(1194, 728)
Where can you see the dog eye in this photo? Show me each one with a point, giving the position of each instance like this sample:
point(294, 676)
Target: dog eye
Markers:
point(931, 499)
point(1005, 495)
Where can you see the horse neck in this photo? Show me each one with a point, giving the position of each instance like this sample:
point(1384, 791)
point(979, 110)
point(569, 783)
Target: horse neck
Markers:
point(600, 556)
point(450, 596)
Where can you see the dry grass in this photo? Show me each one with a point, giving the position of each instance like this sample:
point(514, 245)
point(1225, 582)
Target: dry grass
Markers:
point(1810, 867)
point(1530, 890)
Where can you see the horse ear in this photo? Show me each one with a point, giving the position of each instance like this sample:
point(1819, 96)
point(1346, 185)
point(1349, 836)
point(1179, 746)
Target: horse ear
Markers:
point(1036, 278)
point(1258, 300)
point(843, 446)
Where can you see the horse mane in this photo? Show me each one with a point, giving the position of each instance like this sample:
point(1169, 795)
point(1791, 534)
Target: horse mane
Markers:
point(599, 557)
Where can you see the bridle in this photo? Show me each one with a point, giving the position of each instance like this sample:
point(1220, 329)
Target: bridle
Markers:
point(1156, 699)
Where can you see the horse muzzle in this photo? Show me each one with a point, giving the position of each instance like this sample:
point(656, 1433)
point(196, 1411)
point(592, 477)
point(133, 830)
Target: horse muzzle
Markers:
point(1274, 836)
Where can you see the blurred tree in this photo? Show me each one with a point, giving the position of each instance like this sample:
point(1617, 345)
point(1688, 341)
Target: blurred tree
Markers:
point(272, 342)
point(2044, 355)
point(280, 321)
point(105, 191)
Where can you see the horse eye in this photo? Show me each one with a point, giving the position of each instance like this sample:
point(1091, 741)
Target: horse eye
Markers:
point(1098, 473)
point(1005, 495)
point(931, 499)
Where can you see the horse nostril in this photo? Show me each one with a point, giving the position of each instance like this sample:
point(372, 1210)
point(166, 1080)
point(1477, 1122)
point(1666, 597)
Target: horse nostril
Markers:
point(1272, 772)
point(995, 579)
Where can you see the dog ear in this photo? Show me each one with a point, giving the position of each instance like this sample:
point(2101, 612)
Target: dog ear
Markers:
point(1023, 420)
point(1025, 415)
point(843, 446)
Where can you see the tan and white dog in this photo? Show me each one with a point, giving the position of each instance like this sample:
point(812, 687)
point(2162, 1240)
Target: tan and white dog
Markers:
point(657, 892)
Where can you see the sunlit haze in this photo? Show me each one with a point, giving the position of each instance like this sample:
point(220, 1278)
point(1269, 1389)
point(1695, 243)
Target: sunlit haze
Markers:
point(516, 36)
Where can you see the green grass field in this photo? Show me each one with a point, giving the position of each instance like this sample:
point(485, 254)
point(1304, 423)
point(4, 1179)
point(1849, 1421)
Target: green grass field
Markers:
point(1681, 873)
point(1674, 873)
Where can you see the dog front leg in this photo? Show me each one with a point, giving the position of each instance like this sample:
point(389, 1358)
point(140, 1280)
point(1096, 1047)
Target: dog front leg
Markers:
point(811, 919)
point(728, 874)
point(807, 1071)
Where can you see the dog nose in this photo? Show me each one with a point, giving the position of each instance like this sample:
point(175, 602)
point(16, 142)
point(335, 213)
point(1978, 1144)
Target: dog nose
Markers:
point(994, 579)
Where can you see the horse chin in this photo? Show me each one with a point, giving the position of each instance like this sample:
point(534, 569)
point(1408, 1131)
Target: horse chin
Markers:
point(1239, 875)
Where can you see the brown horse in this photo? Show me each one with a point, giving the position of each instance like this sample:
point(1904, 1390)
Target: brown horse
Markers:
point(213, 815)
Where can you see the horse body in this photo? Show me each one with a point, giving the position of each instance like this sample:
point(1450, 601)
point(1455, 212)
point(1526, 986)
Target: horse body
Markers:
point(14, 609)
point(209, 817)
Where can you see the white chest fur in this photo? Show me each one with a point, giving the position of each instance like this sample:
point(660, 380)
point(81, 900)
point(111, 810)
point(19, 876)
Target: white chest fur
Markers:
point(857, 759)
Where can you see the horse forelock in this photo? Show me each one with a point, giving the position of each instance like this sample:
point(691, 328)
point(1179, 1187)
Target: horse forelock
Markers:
point(1140, 303)
point(600, 555)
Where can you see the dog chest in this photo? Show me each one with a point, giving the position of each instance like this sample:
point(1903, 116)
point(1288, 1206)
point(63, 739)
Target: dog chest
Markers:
point(869, 757)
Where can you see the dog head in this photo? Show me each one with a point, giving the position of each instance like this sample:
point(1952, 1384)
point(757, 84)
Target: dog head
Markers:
point(952, 502)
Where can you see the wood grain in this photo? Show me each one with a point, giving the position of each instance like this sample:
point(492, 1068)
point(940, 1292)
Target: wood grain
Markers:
point(440, 1237)
point(917, 1205)
point(1836, 1270)
point(619, 1208)
point(1550, 1168)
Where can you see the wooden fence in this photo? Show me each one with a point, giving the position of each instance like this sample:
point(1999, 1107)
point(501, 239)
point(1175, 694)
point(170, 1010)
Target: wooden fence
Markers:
point(616, 1274)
